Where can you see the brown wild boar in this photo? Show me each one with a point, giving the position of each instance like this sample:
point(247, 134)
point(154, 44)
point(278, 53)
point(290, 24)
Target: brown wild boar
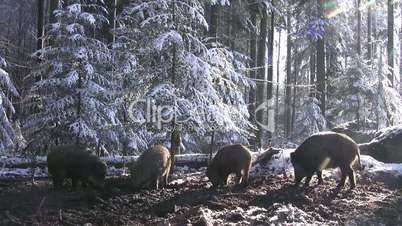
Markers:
point(151, 168)
point(325, 150)
point(75, 162)
point(230, 159)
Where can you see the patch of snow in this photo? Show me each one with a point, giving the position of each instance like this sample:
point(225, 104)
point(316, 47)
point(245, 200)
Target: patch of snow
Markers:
point(372, 166)
point(11, 173)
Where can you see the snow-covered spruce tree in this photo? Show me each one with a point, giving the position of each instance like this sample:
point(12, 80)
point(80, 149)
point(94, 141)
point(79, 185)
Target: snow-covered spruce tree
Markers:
point(310, 120)
point(75, 95)
point(176, 70)
point(7, 135)
point(388, 104)
point(353, 92)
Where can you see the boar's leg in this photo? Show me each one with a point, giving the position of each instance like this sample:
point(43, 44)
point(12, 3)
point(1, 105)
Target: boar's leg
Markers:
point(245, 176)
point(157, 184)
point(238, 179)
point(308, 179)
point(343, 179)
point(224, 179)
point(319, 175)
point(165, 179)
point(352, 179)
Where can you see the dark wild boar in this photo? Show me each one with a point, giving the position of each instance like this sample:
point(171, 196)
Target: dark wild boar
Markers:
point(325, 150)
point(76, 163)
point(230, 159)
point(151, 168)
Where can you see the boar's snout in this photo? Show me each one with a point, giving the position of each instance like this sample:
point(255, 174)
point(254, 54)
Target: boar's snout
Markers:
point(97, 179)
point(212, 175)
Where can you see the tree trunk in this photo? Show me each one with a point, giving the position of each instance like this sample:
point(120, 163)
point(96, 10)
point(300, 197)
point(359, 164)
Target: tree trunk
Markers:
point(369, 32)
point(321, 67)
point(40, 20)
point(270, 70)
point(175, 138)
point(288, 75)
point(375, 36)
point(253, 64)
point(53, 5)
point(400, 56)
point(114, 19)
point(261, 64)
point(213, 23)
point(312, 83)
point(297, 63)
point(277, 84)
point(359, 25)
point(390, 44)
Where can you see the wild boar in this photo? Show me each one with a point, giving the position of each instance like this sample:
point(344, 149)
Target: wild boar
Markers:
point(325, 150)
point(75, 162)
point(230, 159)
point(151, 168)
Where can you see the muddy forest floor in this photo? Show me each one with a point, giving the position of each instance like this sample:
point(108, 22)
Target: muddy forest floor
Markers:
point(270, 200)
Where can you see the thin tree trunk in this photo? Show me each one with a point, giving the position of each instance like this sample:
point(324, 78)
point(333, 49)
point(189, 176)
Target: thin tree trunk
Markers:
point(294, 83)
point(390, 44)
point(213, 23)
point(374, 28)
point(175, 138)
point(40, 20)
point(359, 25)
point(53, 5)
point(313, 90)
point(277, 84)
point(261, 64)
point(253, 64)
point(270, 68)
point(114, 20)
point(369, 33)
point(400, 57)
point(321, 67)
point(288, 75)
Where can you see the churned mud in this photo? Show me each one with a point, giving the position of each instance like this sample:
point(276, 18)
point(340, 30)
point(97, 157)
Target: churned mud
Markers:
point(189, 200)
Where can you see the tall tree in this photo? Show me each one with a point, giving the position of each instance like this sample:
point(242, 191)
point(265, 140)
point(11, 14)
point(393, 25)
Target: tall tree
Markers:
point(40, 20)
point(312, 79)
point(359, 27)
point(288, 81)
point(321, 64)
point(270, 67)
point(390, 43)
point(277, 83)
point(7, 134)
point(213, 22)
point(253, 60)
point(261, 64)
point(400, 56)
point(369, 33)
point(198, 86)
point(76, 98)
